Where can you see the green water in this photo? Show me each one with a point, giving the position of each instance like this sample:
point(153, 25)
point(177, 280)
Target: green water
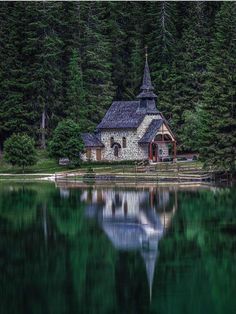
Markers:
point(117, 250)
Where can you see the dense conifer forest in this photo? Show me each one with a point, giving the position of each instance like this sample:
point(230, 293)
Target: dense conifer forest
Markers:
point(63, 60)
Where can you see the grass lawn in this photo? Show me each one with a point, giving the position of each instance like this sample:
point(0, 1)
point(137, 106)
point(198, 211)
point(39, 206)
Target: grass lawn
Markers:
point(47, 165)
point(44, 165)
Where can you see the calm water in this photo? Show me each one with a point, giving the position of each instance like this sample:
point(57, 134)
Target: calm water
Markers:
point(117, 250)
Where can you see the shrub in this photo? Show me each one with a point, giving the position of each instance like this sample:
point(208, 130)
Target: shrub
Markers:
point(19, 150)
point(66, 142)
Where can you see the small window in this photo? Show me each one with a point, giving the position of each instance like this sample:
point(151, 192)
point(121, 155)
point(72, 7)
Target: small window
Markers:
point(116, 150)
point(124, 142)
point(111, 141)
point(88, 153)
point(158, 138)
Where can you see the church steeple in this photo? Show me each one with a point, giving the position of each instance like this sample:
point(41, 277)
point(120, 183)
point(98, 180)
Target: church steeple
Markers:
point(147, 83)
point(147, 96)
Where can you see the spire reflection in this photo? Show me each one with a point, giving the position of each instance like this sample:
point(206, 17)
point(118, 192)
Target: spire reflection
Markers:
point(133, 219)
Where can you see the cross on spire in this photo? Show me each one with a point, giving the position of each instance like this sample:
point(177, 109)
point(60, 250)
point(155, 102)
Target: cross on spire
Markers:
point(146, 53)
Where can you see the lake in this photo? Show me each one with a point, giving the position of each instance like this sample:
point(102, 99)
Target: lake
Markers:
point(104, 249)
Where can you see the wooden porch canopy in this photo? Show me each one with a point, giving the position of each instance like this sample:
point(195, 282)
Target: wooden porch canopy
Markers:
point(157, 134)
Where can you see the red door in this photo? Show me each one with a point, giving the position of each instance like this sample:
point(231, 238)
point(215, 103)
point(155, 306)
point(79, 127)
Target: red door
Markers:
point(154, 152)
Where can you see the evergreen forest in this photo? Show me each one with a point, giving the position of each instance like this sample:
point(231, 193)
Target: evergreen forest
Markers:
point(70, 60)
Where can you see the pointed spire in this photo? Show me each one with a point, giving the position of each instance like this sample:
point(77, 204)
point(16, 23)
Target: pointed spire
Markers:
point(147, 83)
point(150, 258)
point(147, 88)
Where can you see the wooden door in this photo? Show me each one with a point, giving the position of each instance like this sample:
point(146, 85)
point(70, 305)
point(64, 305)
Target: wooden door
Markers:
point(88, 153)
point(98, 154)
point(154, 152)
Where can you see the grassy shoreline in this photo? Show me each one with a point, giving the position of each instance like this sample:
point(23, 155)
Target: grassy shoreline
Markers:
point(47, 169)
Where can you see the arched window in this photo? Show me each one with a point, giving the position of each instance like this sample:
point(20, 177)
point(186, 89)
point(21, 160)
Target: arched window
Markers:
point(111, 141)
point(124, 142)
point(162, 137)
point(158, 138)
point(116, 151)
point(167, 137)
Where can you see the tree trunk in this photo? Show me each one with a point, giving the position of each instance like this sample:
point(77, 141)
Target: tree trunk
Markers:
point(43, 122)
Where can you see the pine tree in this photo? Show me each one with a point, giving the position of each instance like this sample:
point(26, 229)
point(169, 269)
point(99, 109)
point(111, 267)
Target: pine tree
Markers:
point(219, 102)
point(15, 115)
point(116, 15)
point(76, 108)
point(135, 47)
point(190, 66)
point(43, 53)
point(162, 39)
point(96, 61)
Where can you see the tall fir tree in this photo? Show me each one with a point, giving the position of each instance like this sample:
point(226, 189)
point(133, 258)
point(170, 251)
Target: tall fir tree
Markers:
point(189, 70)
point(117, 15)
point(15, 114)
point(76, 108)
point(96, 61)
point(135, 47)
point(43, 53)
point(161, 39)
point(219, 102)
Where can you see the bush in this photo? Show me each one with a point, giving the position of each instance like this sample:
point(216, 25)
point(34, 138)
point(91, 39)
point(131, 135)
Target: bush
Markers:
point(19, 150)
point(67, 142)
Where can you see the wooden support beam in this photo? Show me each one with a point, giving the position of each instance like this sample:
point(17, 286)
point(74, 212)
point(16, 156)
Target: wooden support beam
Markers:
point(150, 151)
point(174, 151)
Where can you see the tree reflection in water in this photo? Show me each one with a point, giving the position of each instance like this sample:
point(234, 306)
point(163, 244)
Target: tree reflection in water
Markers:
point(96, 249)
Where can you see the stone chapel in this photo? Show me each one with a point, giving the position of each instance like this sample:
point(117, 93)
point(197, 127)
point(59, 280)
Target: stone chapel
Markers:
point(132, 130)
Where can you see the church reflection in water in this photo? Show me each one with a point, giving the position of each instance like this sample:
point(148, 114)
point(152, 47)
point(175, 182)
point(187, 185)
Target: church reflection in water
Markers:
point(133, 219)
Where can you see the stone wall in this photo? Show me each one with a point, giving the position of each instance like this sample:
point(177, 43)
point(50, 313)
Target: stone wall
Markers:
point(93, 155)
point(133, 150)
point(128, 153)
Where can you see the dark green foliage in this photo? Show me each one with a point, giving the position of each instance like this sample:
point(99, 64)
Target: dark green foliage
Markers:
point(19, 150)
point(219, 109)
point(15, 114)
point(63, 60)
point(76, 108)
point(66, 141)
point(96, 61)
point(162, 41)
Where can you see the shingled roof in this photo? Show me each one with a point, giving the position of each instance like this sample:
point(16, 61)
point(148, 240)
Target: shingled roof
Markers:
point(122, 114)
point(154, 126)
point(91, 140)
